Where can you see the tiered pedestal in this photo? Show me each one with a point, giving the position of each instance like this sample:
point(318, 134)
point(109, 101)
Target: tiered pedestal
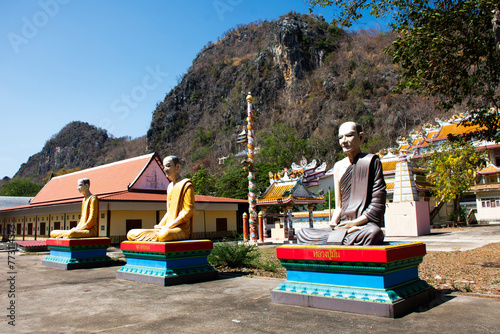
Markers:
point(167, 263)
point(374, 280)
point(77, 253)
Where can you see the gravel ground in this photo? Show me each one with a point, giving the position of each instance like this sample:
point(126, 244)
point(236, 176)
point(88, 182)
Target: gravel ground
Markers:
point(472, 272)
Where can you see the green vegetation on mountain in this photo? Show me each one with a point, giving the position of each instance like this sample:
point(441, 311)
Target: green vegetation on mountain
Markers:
point(306, 76)
point(448, 49)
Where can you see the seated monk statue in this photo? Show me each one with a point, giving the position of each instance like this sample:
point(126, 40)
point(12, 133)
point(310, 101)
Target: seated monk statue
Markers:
point(89, 219)
point(360, 196)
point(177, 224)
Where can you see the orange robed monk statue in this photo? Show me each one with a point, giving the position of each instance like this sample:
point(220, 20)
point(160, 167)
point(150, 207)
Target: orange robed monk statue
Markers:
point(89, 219)
point(177, 224)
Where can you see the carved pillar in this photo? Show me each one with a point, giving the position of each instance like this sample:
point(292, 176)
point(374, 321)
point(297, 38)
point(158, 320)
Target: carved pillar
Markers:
point(264, 221)
point(285, 223)
point(310, 207)
point(261, 227)
point(289, 232)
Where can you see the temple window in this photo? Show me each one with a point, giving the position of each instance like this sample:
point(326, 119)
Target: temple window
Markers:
point(221, 224)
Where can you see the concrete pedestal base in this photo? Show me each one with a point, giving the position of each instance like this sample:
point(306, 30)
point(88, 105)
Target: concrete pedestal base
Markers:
point(374, 280)
point(78, 253)
point(395, 310)
point(167, 263)
point(407, 219)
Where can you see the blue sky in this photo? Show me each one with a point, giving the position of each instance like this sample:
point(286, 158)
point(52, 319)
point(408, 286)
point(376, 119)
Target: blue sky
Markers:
point(105, 62)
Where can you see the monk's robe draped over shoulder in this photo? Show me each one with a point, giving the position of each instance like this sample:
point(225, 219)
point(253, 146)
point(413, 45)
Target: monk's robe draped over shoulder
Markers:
point(88, 224)
point(367, 193)
point(363, 192)
point(180, 206)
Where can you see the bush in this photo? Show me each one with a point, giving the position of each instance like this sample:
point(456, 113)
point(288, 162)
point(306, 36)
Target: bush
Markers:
point(233, 254)
point(20, 187)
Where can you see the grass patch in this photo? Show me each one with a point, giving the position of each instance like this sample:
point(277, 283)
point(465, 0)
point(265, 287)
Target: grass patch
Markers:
point(228, 255)
point(28, 253)
point(233, 254)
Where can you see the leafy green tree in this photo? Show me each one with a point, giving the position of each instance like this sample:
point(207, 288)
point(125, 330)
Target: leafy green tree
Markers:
point(280, 146)
point(452, 168)
point(234, 183)
point(20, 187)
point(449, 49)
point(204, 182)
point(262, 175)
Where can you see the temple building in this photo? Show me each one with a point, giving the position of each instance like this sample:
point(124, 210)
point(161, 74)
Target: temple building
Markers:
point(132, 194)
point(482, 203)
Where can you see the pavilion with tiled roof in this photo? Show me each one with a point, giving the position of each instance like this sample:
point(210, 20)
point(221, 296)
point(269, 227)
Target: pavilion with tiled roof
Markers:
point(289, 191)
point(132, 194)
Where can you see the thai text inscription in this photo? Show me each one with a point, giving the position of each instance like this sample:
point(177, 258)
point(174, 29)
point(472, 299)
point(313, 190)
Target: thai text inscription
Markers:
point(326, 254)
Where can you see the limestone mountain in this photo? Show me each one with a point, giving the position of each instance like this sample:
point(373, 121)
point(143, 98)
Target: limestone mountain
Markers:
point(302, 72)
point(79, 145)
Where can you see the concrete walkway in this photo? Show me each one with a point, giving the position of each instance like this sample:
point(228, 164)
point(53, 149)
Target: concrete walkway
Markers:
point(460, 238)
point(49, 300)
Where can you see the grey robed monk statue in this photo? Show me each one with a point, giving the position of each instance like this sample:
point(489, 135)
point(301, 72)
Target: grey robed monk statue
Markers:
point(360, 196)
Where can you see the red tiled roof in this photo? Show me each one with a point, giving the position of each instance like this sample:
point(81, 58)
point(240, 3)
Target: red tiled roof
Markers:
point(105, 179)
point(154, 197)
point(134, 196)
point(213, 199)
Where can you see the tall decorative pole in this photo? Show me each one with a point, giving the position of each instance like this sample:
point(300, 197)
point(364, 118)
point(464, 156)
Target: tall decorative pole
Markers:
point(252, 201)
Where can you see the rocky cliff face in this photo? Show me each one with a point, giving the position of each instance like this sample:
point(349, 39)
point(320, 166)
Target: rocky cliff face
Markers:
point(77, 145)
point(291, 50)
point(264, 58)
point(301, 71)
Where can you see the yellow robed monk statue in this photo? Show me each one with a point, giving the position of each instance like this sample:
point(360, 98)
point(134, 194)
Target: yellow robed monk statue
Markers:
point(177, 224)
point(89, 219)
